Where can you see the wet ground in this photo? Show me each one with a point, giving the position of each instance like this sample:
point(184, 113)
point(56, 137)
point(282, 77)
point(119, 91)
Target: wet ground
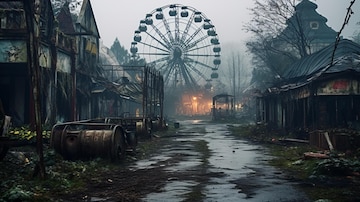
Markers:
point(211, 165)
point(198, 162)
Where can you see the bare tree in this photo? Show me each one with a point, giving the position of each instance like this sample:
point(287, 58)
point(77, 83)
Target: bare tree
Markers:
point(282, 35)
point(279, 35)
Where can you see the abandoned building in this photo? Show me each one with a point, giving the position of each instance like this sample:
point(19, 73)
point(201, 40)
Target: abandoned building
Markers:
point(308, 22)
point(73, 84)
point(290, 103)
point(317, 93)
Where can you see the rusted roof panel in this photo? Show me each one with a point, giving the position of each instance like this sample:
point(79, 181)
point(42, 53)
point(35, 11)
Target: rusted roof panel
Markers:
point(310, 68)
point(346, 57)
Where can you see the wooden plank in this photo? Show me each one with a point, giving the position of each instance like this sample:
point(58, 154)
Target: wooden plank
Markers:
point(331, 147)
point(294, 140)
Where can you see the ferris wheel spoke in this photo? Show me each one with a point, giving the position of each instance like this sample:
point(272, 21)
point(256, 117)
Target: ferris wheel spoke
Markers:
point(199, 63)
point(197, 31)
point(192, 80)
point(199, 55)
point(168, 31)
point(166, 45)
point(177, 29)
point(161, 63)
point(186, 75)
point(161, 60)
point(187, 28)
point(199, 47)
point(193, 68)
point(166, 54)
point(170, 70)
point(194, 43)
point(155, 47)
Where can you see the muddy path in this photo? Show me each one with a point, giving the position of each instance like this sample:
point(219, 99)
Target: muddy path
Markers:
point(200, 161)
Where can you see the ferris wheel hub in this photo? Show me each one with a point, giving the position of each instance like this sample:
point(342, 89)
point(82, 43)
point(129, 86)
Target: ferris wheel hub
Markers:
point(177, 53)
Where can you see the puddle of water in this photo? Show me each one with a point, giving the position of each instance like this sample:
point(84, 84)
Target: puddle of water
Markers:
point(173, 191)
point(149, 163)
point(237, 160)
point(188, 139)
point(187, 164)
point(222, 192)
point(230, 154)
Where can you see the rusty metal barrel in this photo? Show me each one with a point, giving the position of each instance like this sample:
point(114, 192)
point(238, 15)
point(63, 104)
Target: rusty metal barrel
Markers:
point(141, 127)
point(75, 140)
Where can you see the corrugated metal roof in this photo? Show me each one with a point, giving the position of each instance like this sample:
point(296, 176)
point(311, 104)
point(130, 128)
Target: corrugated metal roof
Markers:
point(346, 57)
point(308, 69)
point(129, 91)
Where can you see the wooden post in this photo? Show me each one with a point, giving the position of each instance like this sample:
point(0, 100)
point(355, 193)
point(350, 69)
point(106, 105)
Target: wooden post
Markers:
point(73, 76)
point(32, 13)
point(331, 147)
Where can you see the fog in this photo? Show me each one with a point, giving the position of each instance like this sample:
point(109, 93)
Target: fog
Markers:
point(121, 18)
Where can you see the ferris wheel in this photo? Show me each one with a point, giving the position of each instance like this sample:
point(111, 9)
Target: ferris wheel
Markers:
point(181, 43)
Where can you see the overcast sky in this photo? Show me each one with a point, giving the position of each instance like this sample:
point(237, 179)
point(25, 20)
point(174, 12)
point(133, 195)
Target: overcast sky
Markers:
point(120, 18)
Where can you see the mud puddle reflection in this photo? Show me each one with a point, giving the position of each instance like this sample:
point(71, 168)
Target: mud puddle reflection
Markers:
point(232, 170)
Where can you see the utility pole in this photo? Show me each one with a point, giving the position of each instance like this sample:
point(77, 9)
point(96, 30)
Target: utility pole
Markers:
point(234, 77)
point(238, 92)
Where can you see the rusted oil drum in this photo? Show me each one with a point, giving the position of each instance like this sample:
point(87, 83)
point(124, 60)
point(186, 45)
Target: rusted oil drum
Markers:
point(143, 128)
point(83, 143)
point(131, 140)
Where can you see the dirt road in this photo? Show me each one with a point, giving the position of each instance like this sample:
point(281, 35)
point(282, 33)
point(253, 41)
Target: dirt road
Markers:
point(201, 161)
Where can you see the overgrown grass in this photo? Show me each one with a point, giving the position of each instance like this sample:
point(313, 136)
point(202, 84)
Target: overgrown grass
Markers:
point(19, 184)
point(335, 178)
point(62, 177)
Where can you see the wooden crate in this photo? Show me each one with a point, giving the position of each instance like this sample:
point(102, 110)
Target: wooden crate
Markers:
point(341, 140)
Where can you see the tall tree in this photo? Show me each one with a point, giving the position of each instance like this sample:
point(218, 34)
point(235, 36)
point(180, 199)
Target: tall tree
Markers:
point(121, 54)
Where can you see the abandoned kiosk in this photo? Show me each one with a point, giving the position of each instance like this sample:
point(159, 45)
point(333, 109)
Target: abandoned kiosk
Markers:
point(317, 94)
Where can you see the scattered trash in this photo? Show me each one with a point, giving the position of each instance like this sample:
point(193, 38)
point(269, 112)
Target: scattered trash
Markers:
point(298, 162)
point(320, 155)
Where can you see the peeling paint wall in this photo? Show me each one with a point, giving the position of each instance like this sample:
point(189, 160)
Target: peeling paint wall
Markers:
point(339, 87)
point(13, 51)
